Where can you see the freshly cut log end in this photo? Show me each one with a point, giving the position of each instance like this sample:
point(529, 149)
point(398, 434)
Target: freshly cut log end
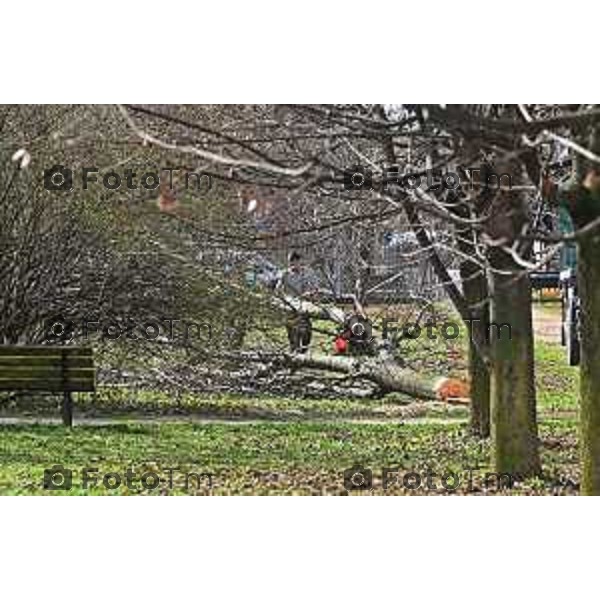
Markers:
point(449, 389)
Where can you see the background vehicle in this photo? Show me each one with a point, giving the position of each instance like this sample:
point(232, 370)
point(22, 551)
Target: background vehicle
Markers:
point(562, 275)
point(570, 315)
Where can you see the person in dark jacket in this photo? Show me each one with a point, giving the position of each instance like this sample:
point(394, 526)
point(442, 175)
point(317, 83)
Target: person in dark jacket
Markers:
point(298, 281)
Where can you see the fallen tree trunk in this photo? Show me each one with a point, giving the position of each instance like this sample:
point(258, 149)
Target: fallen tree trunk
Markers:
point(386, 374)
point(380, 370)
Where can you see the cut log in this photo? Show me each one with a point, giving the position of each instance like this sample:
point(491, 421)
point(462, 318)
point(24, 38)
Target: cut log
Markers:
point(386, 374)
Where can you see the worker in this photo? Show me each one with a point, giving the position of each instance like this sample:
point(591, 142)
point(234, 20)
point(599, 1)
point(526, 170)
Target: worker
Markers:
point(300, 282)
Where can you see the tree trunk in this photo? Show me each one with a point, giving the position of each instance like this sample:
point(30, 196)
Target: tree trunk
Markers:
point(514, 425)
point(513, 398)
point(389, 376)
point(386, 374)
point(588, 278)
point(584, 209)
point(475, 290)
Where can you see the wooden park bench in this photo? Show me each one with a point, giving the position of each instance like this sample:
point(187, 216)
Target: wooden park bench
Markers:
point(63, 369)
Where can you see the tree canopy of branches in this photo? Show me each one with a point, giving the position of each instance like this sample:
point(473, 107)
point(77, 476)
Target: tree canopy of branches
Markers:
point(306, 152)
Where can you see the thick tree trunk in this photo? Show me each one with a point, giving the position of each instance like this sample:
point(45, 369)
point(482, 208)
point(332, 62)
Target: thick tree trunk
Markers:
point(387, 375)
point(475, 290)
point(585, 208)
point(514, 424)
point(513, 398)
point(479, 377)
point(588, 278)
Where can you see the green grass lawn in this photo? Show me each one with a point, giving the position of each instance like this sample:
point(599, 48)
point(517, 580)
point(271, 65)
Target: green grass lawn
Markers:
point(296, 458)
point(557, 383)
point(292, 446)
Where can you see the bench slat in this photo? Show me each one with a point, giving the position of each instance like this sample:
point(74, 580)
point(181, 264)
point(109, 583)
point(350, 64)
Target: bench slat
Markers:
point(46, 361)
point(48, 385)
point(46, 351)
point(47, 368)
point(51, 372)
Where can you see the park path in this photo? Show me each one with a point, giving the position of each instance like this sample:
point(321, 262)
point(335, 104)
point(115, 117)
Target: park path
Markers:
point(546, 322)
point(107, 422)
